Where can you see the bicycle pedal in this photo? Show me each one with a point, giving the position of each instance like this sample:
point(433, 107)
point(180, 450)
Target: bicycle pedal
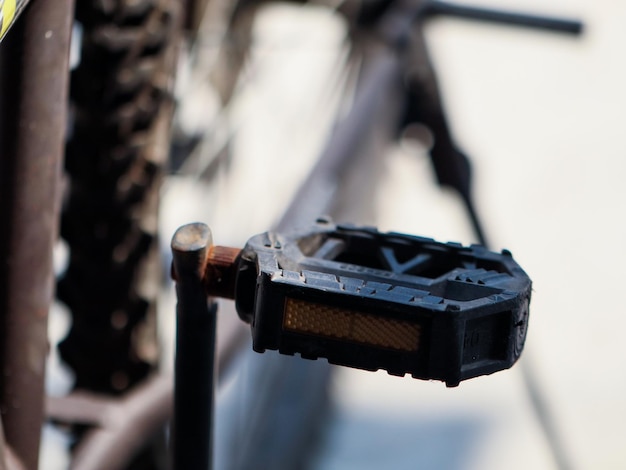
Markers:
point(373, 300)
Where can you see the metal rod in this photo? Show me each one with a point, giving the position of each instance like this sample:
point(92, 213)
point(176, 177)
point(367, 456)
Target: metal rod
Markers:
point(557, 25)
point(33, 100)
point(192, 446)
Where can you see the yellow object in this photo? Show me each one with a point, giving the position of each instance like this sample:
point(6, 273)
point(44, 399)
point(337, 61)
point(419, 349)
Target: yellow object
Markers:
point(324, 320)
point(7, 14)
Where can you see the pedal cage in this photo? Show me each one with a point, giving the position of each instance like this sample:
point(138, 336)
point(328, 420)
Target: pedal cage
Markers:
point(373, 300)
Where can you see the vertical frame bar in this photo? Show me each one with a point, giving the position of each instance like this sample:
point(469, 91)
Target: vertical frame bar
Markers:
point(33, 97)
point(194, 371)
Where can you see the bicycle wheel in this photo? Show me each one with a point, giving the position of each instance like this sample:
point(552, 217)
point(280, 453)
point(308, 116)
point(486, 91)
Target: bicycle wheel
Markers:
point(121, 106)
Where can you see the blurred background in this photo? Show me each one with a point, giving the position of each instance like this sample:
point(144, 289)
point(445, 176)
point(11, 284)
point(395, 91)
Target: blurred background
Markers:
point(541, 118)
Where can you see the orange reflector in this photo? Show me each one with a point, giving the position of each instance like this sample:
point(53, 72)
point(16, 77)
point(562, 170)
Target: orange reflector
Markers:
point(332, 322)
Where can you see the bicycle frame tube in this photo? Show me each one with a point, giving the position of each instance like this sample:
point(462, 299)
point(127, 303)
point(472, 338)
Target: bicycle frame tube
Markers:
point(33, 94)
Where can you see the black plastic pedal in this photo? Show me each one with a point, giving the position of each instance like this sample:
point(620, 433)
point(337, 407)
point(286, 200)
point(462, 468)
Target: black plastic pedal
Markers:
point(373, 300)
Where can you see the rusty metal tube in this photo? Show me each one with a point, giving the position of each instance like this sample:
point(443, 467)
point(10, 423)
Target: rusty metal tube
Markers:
point(33, 91)
point(194, 375)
